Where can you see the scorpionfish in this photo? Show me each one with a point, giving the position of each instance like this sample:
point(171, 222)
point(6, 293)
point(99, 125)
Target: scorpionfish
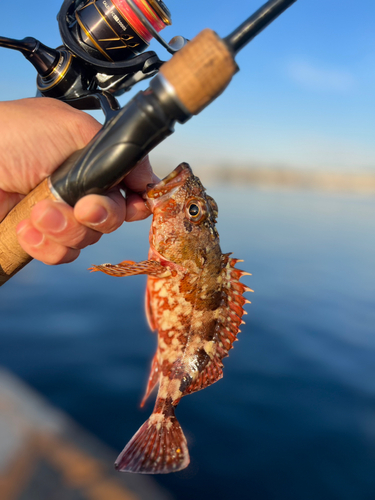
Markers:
point(195, 302)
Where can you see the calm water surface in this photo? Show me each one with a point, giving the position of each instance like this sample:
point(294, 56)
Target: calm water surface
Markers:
point(294, 415)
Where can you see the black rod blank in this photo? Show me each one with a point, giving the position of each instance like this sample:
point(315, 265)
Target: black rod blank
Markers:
point(250, 28)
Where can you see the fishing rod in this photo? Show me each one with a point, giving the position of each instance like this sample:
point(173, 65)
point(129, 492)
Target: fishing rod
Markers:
point(92, 68)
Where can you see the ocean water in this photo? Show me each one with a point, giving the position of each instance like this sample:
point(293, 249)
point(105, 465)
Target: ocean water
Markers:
point(294, 416)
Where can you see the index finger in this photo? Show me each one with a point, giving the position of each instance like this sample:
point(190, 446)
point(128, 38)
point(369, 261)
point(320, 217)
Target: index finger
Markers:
point(140, 176)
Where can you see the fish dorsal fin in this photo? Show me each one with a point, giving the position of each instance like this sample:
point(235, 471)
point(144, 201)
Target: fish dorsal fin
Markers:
point(227, 324)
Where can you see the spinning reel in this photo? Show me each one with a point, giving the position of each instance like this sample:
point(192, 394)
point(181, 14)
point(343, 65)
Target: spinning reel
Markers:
point(103, 54)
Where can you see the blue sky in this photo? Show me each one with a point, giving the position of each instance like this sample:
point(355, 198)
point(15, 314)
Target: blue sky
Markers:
point(304, 96)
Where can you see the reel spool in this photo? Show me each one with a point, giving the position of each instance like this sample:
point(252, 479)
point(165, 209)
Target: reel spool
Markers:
point(112, 30)
point(104, 50)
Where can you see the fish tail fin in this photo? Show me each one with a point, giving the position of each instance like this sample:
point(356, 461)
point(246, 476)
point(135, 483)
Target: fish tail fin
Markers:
point(159, 447)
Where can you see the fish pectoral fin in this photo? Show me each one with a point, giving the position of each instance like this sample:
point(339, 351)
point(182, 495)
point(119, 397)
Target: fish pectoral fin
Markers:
point(159, 447)
point(131, 268)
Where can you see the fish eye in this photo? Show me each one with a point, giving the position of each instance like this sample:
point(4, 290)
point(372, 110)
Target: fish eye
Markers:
point(194, 210)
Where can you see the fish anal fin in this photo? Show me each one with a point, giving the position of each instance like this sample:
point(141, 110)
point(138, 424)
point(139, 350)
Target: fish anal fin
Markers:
point(211, 374)
point(153, 378)
point(130, 268)
point(159, 447)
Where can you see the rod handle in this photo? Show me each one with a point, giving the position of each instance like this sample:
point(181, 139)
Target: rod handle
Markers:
point(200, 71)
point(12, 257)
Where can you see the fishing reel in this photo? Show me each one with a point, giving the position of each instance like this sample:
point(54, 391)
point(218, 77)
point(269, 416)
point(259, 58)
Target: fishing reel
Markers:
point(103, 54)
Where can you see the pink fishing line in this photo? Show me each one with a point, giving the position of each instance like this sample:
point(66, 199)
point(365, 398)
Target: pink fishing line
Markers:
point(135, 23)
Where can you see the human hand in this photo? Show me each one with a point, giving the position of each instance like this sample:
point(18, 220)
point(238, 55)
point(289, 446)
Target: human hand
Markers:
point(36, 136)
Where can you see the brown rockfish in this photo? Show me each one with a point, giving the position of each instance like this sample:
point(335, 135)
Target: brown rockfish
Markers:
point(194, 300)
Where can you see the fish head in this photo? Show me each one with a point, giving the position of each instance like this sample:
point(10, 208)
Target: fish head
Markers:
point(184, 217)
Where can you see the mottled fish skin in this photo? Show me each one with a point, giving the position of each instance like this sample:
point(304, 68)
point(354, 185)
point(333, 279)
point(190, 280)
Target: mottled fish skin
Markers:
point(195, 302)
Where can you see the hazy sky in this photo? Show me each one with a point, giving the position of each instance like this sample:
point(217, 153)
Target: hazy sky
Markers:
point(304, 95)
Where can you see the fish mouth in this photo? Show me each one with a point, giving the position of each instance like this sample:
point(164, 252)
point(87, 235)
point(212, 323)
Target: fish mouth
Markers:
point(172, 181)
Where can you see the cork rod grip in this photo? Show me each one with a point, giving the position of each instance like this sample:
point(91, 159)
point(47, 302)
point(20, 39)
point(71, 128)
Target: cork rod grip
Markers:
point(200, 71)
point(12, 257)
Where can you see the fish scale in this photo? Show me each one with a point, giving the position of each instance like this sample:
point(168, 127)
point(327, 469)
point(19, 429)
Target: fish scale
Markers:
point(194, 300)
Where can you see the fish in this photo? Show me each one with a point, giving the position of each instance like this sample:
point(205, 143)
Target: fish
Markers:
point(194, 300)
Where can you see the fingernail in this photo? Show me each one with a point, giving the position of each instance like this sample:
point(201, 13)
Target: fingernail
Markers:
point(31, 236)
point(52, 220)
point(96, 215)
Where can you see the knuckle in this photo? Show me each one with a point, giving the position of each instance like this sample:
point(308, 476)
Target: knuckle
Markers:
point(50, 252)
point(111, 224)
point(76, 240)
point(90, 238)
point(63, 255)
point(72, 236)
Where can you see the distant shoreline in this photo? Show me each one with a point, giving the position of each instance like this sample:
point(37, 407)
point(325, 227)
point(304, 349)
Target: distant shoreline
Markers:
point(293, 178)
point(334, 181)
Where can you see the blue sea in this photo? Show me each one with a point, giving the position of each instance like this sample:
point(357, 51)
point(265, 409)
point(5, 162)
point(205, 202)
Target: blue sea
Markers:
point(294, 416)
